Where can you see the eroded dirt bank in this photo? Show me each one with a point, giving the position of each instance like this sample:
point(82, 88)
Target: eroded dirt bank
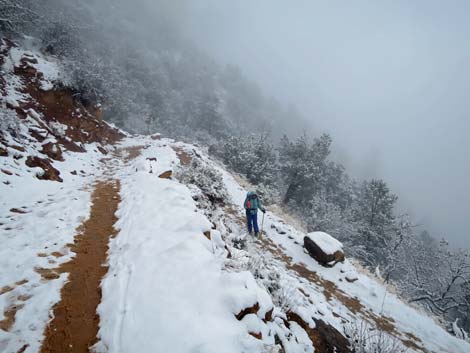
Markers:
point(75, 322)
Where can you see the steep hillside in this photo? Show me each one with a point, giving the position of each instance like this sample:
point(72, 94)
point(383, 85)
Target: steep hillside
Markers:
point(138, 244)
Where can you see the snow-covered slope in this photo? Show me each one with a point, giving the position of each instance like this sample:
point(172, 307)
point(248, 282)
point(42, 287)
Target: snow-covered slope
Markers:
point(50, 152)
point(183, 275)
point(344, 296)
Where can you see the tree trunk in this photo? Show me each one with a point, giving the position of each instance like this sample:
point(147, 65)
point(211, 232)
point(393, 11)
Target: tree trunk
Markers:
point(289, 193)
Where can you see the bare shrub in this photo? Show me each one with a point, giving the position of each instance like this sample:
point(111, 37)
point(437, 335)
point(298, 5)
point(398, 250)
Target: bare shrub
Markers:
point(367, 338)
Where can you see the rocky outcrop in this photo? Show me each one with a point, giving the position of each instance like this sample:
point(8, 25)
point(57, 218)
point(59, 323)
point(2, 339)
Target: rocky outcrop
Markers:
point(329, 340)
point(269, 315)
point(325, 338)
point(102, 150)
point(207, 234)
point(53, 151)
point(166, 175)
point(257, 335)
point(52, 114)
point(56, 111)
point(50, 173)
point(250, 310)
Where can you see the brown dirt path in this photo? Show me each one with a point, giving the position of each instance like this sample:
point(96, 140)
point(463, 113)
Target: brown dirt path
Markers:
point(74, 326)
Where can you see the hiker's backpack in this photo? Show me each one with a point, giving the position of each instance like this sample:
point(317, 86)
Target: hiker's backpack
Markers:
point(248, 204)
point(253, 204)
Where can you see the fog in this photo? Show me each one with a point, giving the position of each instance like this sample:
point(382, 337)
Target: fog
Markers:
point(389, 80)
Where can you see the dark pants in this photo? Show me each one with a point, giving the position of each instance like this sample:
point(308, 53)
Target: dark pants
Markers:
point(252, 221)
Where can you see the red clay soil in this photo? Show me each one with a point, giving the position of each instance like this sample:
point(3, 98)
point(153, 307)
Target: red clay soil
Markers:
point(74, 326)
point(129, 153)
point(9, 317)
point(184, 156)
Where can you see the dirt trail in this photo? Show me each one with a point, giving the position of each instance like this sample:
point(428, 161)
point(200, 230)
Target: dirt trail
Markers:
point(75, 324)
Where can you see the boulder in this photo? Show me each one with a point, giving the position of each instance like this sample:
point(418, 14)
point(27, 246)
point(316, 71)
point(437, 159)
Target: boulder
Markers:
point(3, 152)
point(325, 338)
point(250, 310)
point(102, 150)
point(166, 175)
point(18, 148)
point(329, 339)
point(257, 335)
point(324, 248)
point(18, 210)
point(50, 173)
point(52, 150)
point(269, 315)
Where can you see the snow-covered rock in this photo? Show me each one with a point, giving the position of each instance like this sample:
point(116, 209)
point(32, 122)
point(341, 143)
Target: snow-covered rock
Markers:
point(324, 248)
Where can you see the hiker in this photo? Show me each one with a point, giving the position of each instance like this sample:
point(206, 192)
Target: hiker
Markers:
point(252, 203)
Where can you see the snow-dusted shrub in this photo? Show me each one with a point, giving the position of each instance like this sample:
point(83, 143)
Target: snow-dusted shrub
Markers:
point(287, 297)
point(207, 179)
point(238, 261)
point(269, 194)
point(265, 272)
point(9, 121)
point(239, 243)
point(366, 338)
point(258, 266)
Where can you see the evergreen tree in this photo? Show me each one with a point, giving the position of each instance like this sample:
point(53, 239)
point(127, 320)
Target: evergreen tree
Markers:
point(373, 212)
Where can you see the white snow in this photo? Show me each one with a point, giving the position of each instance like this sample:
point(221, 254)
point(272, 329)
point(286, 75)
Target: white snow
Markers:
point(165, 290)
point(326, 242)
point(54, 211)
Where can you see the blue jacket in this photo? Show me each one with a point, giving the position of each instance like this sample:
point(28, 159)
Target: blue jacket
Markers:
point(252, 203)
